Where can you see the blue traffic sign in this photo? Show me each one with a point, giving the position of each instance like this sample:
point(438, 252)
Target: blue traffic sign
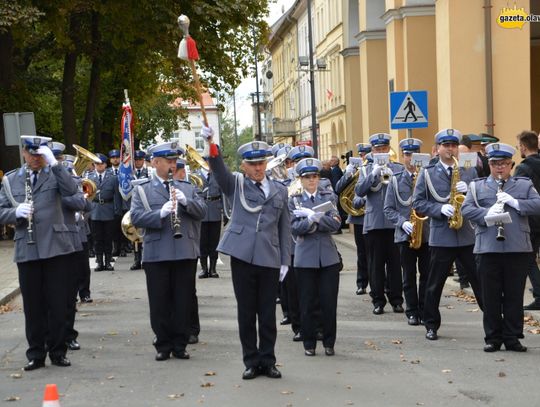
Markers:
point(408, 110)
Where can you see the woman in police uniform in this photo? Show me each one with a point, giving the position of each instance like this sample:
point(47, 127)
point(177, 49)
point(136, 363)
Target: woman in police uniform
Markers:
point(316, 259)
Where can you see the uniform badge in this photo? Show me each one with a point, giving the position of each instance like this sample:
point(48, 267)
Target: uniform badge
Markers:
point(450, 132)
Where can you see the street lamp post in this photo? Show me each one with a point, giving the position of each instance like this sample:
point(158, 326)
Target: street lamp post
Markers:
point(255, 49)
point(314, 141)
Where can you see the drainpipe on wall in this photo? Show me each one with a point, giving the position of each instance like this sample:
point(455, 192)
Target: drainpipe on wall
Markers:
point(490, 125)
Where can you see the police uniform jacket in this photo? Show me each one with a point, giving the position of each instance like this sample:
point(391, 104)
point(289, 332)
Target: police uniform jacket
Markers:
point(51, 235)
point(358, 202)
point(426, 203)
point(517, 232)
point(398, 203)
point(212, 195)
point(262, 238)
point(108, 202)
point(82, 223)
point(159, 243)
point(315, 247)
point(71, 205)
point(370, 187)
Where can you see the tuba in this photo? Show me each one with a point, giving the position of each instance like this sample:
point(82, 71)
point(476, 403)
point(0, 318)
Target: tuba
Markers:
point(277, 168)
point(195, 162)
point(132, 233)
point(346, 196)
point(455, 199)
point(85, 157)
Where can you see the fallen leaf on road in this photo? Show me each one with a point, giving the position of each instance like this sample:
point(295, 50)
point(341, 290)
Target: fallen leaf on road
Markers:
point(338, 372)
point(397, 341)
point(210, 373)
point(419, 403)
point(473, 310)
point(207, 384)
point(112, 333)
point(5, 308)
point(450, 307)
point(535, 331)
point(175, 396)
point(110, 377)
point(12, 398)
point(446, 370)
point(499, 360)
point(279, 364)
point(134, 333)
point(85, 315)
point(286, 392)
point(16, 375)
point(349, 403)
point(502, 374)
point(348, 386)
point(415, 362)
point(371, 345)
point(450, 381)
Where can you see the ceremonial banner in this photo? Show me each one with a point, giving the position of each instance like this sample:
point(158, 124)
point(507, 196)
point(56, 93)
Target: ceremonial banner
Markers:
point(125, 174)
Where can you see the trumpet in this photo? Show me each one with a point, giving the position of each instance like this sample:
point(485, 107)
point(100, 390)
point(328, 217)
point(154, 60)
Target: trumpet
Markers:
point(175, 219)
point(29, 200)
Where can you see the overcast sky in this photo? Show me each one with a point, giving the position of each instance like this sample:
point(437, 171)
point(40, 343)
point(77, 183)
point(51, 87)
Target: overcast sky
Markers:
point(244, 110)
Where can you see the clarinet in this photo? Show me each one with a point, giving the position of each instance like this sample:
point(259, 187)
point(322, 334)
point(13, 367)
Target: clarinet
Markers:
point(175, 219)
point(500, 226)
point(28, 199)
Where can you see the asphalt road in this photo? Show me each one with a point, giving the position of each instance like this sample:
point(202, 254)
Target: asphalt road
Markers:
point(380, 360)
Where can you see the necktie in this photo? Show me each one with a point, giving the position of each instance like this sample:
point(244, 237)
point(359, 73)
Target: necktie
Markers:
point(450, 172)
point(34, 180)
point(166, 184)
point(100, 178)
point(312, 197)
point(259, 185)
point(115, 171)
point(138, 173)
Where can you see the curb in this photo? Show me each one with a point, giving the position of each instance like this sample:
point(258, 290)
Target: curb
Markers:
point(8, 293)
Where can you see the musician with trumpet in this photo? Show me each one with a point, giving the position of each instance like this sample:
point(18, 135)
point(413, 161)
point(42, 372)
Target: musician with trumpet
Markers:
point(383, 254)
point(354, 207)
point(411, 233)
point(439, 194)
point(31, 198)
point(502, 263)
point(170, 211)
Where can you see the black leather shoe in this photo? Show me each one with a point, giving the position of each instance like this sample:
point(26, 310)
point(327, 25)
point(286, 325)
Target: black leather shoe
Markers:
point(34, 364)
point(361, 291)
point(99, 267)
point(398, 309)
point(61, 361)
point(272, 372)
point(278, 300)
point(463, 286)
point(533, 306)
point(378, 310)
point(492, 347)
point(161, 356)
point(431, 334)
point(285, 321)
point(136, 266)
point(122, 253)
point(180, 354)
point(516, 347)
point(109, 267)
point(91, 254)
point(73, 345)
point(309, 352)
point(319, 336)
point(250, 373)
point(329, 351)
point(203, 274)
point(87, 300)
point(413, 320)
point(297, 337)
point(193, 339)
point(214, 275)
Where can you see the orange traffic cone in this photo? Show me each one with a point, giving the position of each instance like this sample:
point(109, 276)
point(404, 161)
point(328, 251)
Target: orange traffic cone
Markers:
point(50, 397)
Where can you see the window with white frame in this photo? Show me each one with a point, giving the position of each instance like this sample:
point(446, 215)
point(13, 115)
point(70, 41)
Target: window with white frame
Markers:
point(199, 141)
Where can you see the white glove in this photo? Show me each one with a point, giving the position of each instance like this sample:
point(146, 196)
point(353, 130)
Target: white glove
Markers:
point(494, 210)
point(447, 210)
point(315, 217)
point(166, 209)
point(283, 270)
point(407, 227)
point(24, 210)
point(77, 216)
point(508, 199)
point(206, 132)
point(377, 169)
point(180, 197)
point(48, 154)
point(462, 187)
point(350, 169)
point(303, 212)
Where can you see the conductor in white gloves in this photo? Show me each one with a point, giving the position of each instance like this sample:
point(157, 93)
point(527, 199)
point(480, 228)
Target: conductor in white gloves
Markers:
point(316, 260)
point(397, 208)
point(169, 264)
point(258, 241)
point(31, 198)
point(446, 245)
point(502, 264)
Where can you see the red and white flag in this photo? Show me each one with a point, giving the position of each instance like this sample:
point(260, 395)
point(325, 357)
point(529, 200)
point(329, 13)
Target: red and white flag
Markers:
point(329, 94)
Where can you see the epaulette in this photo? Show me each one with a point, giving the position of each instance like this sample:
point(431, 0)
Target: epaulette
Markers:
point(184, 181)
point(397, 162)
point(429, 166)
point(325, 192)
point(480, 179)
point(398, 173)
point(139, 181)
point(524, 178)
point(11, 172)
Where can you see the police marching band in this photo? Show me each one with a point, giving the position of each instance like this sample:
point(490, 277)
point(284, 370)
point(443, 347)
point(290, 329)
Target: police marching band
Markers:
point(412, 220)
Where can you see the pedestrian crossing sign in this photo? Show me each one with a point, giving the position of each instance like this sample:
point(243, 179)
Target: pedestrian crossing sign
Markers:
point(408, 110)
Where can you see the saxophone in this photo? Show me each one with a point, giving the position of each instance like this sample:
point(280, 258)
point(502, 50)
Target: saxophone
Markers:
point(415, 239)
point(455, 198)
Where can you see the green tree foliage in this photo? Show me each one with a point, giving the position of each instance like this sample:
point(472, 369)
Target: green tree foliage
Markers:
point(70, 60)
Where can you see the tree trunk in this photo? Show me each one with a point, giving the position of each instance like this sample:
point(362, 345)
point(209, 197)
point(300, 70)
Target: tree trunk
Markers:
point(95, 76)
point(6, 60)
point(69, 124)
